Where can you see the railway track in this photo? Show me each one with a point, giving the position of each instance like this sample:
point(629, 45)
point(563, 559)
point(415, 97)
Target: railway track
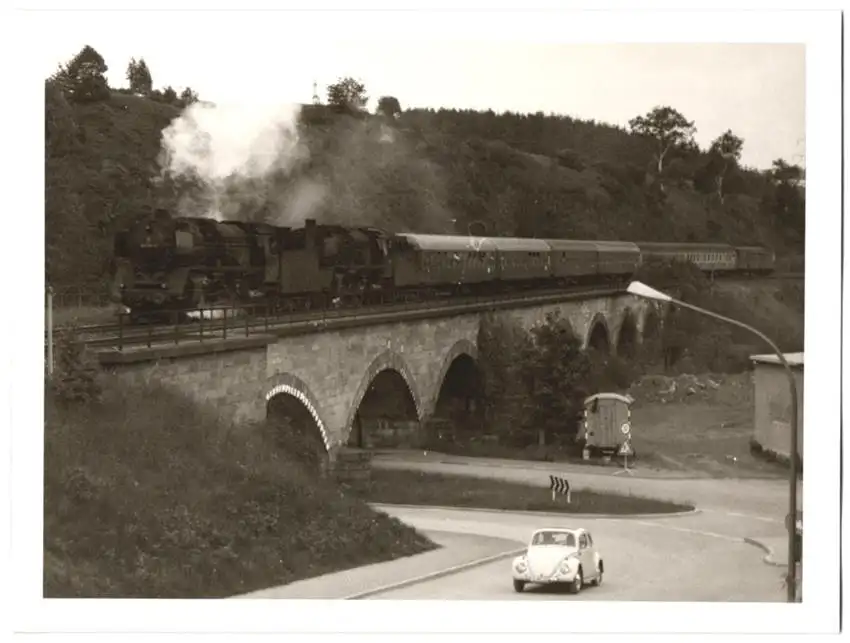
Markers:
point(114, 336)
point(248, 321)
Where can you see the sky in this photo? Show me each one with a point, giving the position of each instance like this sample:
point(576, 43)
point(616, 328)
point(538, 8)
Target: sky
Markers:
point(755, 89)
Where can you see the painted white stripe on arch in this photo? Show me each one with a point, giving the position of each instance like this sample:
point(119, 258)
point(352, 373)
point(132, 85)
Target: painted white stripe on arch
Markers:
point(291, 390)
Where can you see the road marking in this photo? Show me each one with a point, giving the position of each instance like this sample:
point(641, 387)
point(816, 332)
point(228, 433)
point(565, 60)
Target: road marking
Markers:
point(743, 515)
point(699, 532)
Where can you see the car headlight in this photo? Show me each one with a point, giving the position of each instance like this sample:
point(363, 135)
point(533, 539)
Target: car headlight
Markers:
point(521, 565)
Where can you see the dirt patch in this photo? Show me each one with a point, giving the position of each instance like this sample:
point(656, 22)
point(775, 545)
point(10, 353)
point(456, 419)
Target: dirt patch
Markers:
point(701, 424)
point(716, 389)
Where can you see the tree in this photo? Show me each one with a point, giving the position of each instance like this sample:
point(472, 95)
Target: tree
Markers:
point(784, 172)
point(348, 94)
point(139, 77)
point(787, 204)
point(82, 79)
point(169, 95)
point(558, 372)
point(388, 106)
point(667, 127)
point(727, 148)
point(187, 97)
point(503, 347)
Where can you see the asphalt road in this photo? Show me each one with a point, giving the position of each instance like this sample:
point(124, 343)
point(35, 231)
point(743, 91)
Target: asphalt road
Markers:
point(671, 559)
point(697, 557)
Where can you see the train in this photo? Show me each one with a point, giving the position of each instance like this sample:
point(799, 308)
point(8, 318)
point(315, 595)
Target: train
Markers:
point(164, 263)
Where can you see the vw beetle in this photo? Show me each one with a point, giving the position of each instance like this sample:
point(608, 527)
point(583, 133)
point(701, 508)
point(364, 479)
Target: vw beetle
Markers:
point(557, 556)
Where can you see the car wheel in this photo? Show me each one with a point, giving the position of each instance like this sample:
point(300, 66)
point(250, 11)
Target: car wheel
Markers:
point(576, 585)
point(519, 585)
point(598, 580)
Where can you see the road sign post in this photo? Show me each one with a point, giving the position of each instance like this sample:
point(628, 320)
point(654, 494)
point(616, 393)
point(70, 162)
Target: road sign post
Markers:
point(625, 450)
point(560, 486)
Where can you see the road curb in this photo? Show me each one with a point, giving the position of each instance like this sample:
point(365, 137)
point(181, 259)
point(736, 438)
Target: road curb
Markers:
point(768, 557)
point(438, 574)
point(637, 474)
point(547, 514)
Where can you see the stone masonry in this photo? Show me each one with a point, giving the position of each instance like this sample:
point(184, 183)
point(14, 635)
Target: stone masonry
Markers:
point(330, 371)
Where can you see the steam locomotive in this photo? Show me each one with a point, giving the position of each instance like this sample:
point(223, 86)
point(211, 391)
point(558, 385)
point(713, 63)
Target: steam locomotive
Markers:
point(164, 263)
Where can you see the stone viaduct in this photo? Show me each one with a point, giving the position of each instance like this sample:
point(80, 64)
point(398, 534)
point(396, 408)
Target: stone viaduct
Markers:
point(329, 372)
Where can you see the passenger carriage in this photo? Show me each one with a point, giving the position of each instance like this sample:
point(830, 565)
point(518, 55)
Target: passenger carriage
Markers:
point(710, 257)
point(573, 261)
point(617, 259)
point(522, 260)
point(439, 261)
point(755, 260)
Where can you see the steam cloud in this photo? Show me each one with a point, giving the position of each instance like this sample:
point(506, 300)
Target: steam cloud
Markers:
point(231, 154)
point(252, 163)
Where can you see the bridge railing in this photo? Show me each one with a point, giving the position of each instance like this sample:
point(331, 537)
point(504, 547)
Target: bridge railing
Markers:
point(197, 324)
point(223, 322)
point(79, 296)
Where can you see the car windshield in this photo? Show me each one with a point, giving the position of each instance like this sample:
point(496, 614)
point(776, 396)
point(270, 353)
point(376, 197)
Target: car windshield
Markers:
point(562, 538)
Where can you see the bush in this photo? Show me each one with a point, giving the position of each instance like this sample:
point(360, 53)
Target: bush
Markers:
point(77, 376)
point(570, 159)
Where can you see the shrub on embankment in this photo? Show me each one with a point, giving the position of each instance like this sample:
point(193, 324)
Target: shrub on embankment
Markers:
point(148, 495)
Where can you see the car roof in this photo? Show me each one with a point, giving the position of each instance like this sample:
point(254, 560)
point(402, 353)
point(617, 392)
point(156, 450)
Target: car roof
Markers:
point(572, 244)
point(572, 530)
point(670, 245)
point(520, 244)
point(447, 243)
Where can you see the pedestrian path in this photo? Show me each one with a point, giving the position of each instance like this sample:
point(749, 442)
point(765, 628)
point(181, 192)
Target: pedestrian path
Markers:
point(455, 550)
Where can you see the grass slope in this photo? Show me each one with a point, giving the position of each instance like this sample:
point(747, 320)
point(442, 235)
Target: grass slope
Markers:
point(147, 495)
point(406, 487)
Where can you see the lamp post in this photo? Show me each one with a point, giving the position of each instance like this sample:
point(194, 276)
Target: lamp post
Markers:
point(642, 290)
point(50, 331)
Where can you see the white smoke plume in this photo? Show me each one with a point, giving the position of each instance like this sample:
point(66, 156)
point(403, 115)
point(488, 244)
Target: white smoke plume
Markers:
point(301, 203)
point(232, 151)
point(255, 163)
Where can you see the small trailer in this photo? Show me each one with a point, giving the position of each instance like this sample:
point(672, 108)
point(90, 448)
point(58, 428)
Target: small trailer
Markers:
point(607, 423)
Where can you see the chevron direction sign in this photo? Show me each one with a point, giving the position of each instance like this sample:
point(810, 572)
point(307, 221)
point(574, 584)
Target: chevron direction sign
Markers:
point(559, 486)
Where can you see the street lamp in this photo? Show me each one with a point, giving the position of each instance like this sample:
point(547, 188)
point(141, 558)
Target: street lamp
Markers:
point(642, 290)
